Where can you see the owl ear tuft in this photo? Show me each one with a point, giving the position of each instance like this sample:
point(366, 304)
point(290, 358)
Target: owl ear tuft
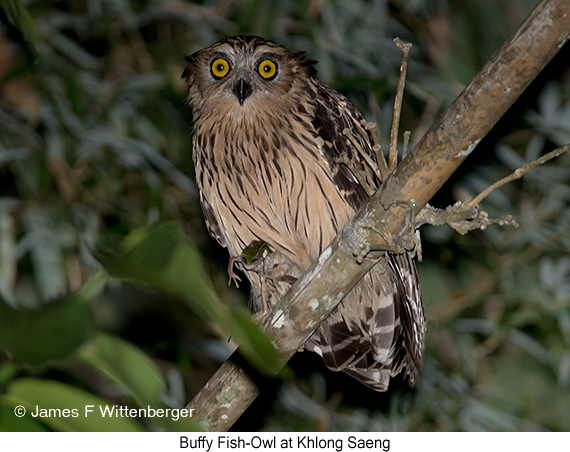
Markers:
point(192, 61)
point(189, 68)
point(186, 73)
point(307, 64)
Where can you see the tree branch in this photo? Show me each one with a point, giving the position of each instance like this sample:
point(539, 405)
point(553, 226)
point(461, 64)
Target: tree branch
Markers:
point(422, 172)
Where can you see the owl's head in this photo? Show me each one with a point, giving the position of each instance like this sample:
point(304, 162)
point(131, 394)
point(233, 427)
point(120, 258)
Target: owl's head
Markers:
point(244, 71)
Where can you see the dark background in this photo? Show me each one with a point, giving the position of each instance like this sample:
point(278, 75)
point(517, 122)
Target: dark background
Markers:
point(95, 146)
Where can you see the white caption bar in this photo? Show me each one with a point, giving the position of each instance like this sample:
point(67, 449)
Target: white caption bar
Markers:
point(279, 442)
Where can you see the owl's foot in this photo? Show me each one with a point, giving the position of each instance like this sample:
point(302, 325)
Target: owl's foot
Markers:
point(270, 273)
point(407, 240)
point(276, 275)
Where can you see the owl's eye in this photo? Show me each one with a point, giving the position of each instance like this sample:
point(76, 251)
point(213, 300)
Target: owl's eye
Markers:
point(267, 69)
point(220, 68)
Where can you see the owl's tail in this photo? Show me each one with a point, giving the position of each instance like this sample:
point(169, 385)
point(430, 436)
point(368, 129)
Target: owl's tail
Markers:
point(378, 330)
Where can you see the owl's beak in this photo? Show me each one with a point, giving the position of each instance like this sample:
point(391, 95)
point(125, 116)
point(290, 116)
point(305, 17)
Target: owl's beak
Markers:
point(242, 89)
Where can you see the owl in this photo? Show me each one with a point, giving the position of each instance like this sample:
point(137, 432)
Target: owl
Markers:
point(269, 140)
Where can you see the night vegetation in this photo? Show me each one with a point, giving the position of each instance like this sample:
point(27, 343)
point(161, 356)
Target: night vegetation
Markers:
point(112, 292)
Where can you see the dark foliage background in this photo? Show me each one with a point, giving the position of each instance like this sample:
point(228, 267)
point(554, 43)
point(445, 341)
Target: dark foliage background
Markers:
point(96, 189)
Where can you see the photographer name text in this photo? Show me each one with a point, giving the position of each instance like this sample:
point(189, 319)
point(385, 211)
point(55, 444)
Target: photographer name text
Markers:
point(114, 411)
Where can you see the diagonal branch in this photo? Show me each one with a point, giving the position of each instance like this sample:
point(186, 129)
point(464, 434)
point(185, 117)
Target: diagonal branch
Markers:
point(422, 172)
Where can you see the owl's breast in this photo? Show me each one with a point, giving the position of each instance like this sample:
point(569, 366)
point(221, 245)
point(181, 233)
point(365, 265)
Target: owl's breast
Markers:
point(270, 184)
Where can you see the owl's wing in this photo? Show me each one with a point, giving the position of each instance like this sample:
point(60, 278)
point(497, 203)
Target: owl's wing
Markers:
point(412, 326)
point(334, 114)
point(378, 329)
point(211, 221)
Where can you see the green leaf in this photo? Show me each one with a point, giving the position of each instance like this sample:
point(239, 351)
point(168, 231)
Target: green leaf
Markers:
point(19, 16)
point(34, 394)
point(9, 422)
point(135, 374)
point(48, 334)
point(8, 370)
point(162, 257)
point(126, 366)
point(253, 343)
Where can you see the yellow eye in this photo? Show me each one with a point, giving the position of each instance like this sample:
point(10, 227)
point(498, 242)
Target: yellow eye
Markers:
point(220, 68)
point(267, 69)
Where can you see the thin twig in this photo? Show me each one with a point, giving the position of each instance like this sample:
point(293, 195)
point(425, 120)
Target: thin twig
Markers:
point(407, 135)
point(462, 217)
point(377, 148)
point(517, 174)
point(405, 48)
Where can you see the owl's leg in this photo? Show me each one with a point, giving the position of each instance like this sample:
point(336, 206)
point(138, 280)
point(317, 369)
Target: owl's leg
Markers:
point(266, 289)
point(276, 275)
point(253, 258)
point(265, 308)
point(270, 273)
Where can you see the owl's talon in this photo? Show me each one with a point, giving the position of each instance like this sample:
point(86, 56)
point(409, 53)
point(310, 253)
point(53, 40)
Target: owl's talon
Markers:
point(407, 240)
point(371, 251)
